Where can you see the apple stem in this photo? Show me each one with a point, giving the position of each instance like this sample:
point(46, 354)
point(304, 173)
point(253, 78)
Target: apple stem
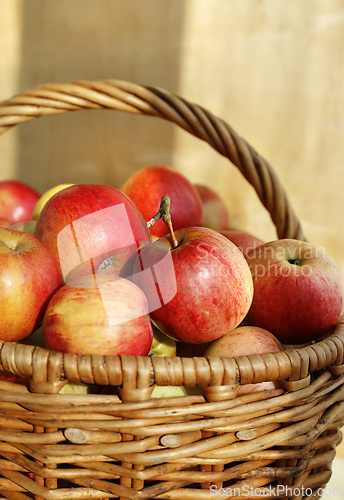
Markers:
point(164, 214)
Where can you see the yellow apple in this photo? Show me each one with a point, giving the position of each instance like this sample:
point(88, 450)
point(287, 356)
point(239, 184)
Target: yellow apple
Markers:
point(168, 391)
point(45, 197)
point(175, 391)
point(78, 388)
point(162, 345)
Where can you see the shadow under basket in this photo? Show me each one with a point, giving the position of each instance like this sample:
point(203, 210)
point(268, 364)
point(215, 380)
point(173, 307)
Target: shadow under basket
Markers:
point(121, 443)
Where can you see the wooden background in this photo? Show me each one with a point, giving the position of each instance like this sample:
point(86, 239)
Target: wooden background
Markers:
point(274, 70)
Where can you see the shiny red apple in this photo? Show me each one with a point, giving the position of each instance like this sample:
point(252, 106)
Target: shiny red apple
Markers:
point(17, 201)
point(98, 314)
point(298, 290)
point(12, 378)
point(146, 187)
point(199, 287)
point(29, 276)
point(215, 211)
point(89, 228)
point(244, 241)
point(245, 341)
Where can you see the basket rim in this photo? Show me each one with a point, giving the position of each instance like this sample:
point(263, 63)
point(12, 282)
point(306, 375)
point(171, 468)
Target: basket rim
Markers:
point(293, 365)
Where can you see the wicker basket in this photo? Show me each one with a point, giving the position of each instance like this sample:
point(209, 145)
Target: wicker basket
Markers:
point(127, 445)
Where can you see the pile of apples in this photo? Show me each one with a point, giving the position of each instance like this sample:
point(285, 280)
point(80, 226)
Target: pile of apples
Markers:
point(154, 268)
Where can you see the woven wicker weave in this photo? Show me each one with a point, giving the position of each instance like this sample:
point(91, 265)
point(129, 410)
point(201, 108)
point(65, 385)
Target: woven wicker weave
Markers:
point(124, 444)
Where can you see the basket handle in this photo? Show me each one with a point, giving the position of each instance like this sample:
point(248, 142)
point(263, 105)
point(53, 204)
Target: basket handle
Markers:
point(124, 96)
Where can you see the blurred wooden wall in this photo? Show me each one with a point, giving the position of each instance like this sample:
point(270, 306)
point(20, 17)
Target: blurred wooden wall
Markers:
point(273, 70)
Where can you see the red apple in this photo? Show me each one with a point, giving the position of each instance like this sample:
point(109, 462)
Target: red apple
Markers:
point(29, 276)
point(98, 314)
point(244, 241)
point(14, 378)
point(244, 341)
point(146, 187)
point(28, 226)
point(88, 227)
point(298, 290)
point(17, 201)
point(4, 223)
point(215, 211)
point(204, 286)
